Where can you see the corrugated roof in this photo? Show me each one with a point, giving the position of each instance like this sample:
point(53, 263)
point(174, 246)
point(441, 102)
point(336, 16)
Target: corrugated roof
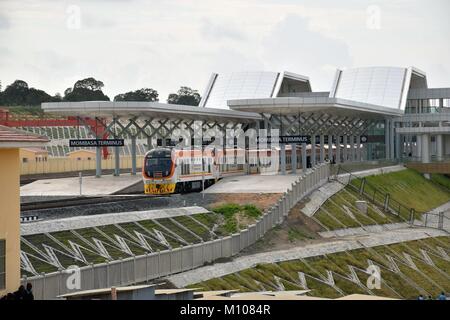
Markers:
point(10, 136)
point(81, 151)
point(36, 150)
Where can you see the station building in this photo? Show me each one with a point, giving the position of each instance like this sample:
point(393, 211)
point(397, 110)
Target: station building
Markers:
point(370, 113)
point(10, 142)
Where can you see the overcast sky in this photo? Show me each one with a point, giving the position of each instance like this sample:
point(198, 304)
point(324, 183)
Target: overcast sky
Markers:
point(130, 44)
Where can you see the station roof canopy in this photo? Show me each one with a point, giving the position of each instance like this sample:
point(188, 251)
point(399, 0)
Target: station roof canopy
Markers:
point(365, 92)
point(317, 104)
point(146, 110)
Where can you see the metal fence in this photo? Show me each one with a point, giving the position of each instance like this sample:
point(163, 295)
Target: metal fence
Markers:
point(438, 220)
point(385, 201)
point(151, 266)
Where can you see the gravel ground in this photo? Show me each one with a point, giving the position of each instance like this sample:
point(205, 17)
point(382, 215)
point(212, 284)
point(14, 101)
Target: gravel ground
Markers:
point(151, 203)
point(28, 199)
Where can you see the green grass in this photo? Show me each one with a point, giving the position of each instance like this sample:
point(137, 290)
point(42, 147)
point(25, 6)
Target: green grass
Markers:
point(297, 233)
point(227, 210)
point(194, 226)
point(150, 225)
point(327, 220)
point(208, 219)
point(251, 211)
point(178, 230)
point(236, 217)
point(320, 289)
point(441, 180)
point(200, 226)
point(411, 189)
point(393, 285)
point(346, 198)
point(27, 110)
point(406, 187)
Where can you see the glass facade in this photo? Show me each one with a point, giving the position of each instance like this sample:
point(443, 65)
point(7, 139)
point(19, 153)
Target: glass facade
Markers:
point(426, 105)
point(241, 85)
point(376, 148)
point(382, 86)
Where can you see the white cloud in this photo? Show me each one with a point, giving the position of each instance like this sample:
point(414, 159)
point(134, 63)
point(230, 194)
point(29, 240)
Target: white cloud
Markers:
point(166, 44)
point(293, 46)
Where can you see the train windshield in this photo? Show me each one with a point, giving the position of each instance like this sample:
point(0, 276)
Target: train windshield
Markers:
point(158, 167)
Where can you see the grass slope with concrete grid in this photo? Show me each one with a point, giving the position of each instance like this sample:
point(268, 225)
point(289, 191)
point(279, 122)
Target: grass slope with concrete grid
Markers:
point(407, 270)
point(412, 190)
point(408, 187)
point(57, 250)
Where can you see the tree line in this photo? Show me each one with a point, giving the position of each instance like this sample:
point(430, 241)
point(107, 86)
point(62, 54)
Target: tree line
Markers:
point(19, 93)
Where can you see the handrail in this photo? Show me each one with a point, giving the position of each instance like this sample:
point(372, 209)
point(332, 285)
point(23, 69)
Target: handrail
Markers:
point(385, 201)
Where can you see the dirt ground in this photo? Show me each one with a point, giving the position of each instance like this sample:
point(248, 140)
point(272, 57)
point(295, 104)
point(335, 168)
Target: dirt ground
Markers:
point(260, 200)
point(296, 231)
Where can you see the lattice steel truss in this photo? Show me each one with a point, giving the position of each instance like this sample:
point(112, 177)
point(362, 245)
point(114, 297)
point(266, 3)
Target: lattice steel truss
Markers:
point(317, 124)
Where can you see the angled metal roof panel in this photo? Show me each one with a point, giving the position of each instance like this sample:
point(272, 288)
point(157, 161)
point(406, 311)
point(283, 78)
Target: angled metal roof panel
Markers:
point(146, 110)
point(383, 86)
point(247, 85)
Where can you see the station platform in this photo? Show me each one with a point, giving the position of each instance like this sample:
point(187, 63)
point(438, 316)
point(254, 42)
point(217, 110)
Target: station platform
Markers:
point(91, 186)
point(257, 183)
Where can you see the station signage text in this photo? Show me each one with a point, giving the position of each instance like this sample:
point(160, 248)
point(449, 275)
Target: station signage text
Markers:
point(285, 139)
point(96, 143)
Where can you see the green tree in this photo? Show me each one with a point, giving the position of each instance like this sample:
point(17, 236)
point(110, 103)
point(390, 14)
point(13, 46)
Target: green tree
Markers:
point(89, 83)
point(88, 89)
point(19, 94)
point(57, 97)
point(144, 94)
point(185, 96)
point(36, 97)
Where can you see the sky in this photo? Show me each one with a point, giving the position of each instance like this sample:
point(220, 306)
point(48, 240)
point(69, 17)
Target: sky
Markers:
point(131, 44)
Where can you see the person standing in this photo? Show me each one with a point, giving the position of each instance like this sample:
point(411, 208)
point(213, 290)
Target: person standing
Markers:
point(20, 293)
point(29, 292)
point(442, 296)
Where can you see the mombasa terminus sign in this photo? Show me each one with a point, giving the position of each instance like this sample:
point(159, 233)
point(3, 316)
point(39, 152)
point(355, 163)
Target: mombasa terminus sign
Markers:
point(285, 139)
point(300, 139)
point(96, 143)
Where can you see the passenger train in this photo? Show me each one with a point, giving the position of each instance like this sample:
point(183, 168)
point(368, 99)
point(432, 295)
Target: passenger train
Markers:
point(171, 170)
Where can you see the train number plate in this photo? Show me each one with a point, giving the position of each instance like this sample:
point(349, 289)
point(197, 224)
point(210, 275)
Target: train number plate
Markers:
point(155, 188)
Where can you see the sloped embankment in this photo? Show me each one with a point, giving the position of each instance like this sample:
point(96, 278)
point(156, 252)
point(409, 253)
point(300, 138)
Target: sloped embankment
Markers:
point(406, 187)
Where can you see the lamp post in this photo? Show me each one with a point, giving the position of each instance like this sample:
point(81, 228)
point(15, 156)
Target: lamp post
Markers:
point(203, 171)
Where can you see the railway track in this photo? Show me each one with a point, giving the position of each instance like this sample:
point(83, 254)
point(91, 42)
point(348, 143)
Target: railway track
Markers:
point(72, 202)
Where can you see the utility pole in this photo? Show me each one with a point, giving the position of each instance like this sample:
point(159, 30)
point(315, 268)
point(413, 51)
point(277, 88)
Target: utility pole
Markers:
point(80, 175)
point(203, 171)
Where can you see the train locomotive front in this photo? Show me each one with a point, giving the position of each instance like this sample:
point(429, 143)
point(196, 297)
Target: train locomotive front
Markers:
point(158, 172)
